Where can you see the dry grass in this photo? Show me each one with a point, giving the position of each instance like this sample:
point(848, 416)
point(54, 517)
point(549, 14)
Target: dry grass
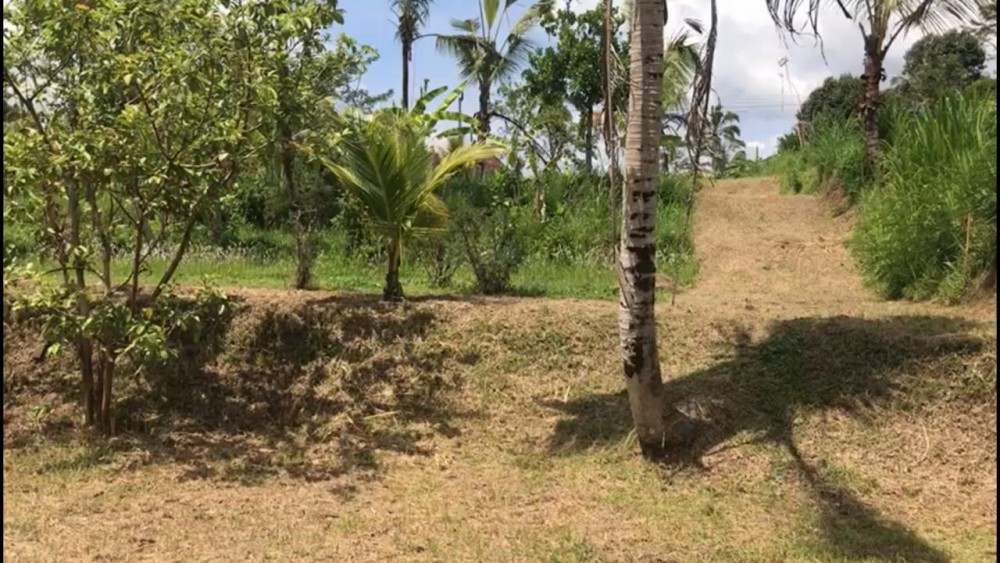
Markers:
point(329, 428)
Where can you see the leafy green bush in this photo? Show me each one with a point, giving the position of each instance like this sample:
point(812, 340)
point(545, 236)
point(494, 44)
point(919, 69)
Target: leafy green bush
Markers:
point(931, 228)
point(17, 243)
point(496, 244)
point(441, 256)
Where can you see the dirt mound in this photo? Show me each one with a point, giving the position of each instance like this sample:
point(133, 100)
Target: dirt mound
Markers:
point(302, 375)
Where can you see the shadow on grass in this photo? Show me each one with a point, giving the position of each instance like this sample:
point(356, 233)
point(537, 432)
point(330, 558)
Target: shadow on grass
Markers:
point(803, 365)
point(311, 389)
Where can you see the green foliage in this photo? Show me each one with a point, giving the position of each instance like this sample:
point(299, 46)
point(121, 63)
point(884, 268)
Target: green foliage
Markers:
point(837, 99)
point(832, 159)
point(940, 65)
point(483, 56)
point(496, 244)
point(724, 143)
point(789, 142)
point(570, 70)
point(388, 168)
point(135, 122)
point(931, 228)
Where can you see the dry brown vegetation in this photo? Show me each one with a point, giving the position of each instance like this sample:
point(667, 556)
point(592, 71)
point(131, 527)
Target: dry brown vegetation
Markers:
point(832, 426)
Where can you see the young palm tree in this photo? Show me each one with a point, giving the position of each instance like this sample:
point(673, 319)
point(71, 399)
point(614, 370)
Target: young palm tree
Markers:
point(881, 22)
point(410, 16)
point(389, 168)
point(637, 255)
point(482, 55)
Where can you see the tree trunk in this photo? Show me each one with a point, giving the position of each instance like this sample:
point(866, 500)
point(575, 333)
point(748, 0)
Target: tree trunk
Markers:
point(303, 254)
point(637, 257)
point(406, 72)
point(588, 137)
point(870, 107)
point(84, 346)
point(107, 368)
point(484, 110)
point(609, 127)
point(393, 289)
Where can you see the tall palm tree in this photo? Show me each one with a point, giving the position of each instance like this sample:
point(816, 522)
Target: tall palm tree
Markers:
point(637, 254)
point(724, 138)
point(881, 22)
point(410, 16)
point(482, 55)
point(680, 66)
point(389, 168)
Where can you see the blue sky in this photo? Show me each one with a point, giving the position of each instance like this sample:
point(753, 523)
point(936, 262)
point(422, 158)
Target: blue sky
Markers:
point(751, 77)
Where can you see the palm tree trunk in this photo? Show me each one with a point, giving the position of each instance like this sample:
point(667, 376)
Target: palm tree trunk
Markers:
point(870, 106)
point(393, 289)
point(484, 110)
point(637, 264)
point(406, 72)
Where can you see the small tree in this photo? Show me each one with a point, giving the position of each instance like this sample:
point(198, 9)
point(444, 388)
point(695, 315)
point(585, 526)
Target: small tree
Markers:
point(302, 73)
point(388, 167)
point(141, 116)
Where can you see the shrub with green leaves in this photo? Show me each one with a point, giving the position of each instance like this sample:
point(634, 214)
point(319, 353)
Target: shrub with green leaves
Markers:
point(495, 243)
point(931, 228)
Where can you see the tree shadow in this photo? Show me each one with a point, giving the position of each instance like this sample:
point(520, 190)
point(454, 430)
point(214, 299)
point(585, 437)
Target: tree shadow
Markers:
point(803, 365)
point(309, 389)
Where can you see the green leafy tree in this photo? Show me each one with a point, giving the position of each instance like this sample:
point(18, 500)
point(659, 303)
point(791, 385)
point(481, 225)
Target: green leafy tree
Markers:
point(570, 71)
point(541, 130)
point(139, 119)
point(881, 23)
point(301, 72)
point(411, 15)
point(940, 64)
point(485, 57)
point(837, 98)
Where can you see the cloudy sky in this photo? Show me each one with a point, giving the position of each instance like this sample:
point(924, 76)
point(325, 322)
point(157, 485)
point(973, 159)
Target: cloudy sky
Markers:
point(749, 75)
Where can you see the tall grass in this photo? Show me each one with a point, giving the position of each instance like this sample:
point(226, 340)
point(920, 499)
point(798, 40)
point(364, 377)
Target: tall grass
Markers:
point(930, 228)
point(834, 157)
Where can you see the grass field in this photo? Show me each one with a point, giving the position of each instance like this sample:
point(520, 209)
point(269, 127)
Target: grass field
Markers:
point(536, 278)
point(327, 426)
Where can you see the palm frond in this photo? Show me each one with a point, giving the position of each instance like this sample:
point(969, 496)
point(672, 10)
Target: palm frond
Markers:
point(462, 157)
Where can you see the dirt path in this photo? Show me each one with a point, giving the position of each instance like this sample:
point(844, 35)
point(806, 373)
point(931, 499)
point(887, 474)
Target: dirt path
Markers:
point(783, 255)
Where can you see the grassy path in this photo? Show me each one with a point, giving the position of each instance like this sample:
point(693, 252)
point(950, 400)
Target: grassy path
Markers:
point(836, 428)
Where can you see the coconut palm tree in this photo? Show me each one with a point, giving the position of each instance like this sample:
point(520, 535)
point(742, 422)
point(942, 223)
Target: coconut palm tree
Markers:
point(481, 53)
point(881, 22)
point(410, 16)
point(388, 166)
point(680, 65)
point(637, 254)
point(724, 138)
